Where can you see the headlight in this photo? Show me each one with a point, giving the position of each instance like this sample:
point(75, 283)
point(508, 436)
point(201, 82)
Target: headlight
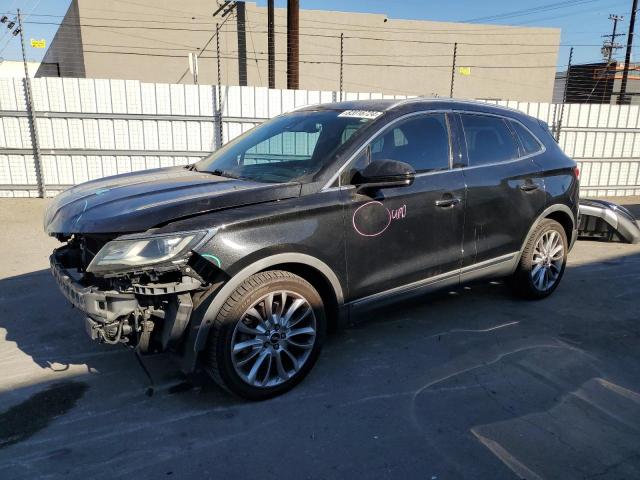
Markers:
point(138, 251)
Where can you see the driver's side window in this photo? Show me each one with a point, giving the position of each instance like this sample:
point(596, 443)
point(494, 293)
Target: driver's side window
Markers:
point(421, 141)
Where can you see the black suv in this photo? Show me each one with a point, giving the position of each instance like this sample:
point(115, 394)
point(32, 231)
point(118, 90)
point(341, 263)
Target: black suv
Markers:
point(243, 261)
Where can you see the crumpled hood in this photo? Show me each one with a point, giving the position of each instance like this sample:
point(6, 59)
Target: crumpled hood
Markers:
point(135, 202)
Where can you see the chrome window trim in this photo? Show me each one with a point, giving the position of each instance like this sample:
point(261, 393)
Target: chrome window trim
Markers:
point(328, 185)
point(336, 175)
point(542, 148)
point(504, 162)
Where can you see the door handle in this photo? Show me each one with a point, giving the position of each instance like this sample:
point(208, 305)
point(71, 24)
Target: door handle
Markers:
point(447, 202)
point(529, 186)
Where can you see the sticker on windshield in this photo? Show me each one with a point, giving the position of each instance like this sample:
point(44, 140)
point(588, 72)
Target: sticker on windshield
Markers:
point(360, 114)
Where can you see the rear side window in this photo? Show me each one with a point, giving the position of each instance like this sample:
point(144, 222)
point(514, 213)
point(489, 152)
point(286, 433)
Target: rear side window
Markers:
point(530, 143)
point(489, 139)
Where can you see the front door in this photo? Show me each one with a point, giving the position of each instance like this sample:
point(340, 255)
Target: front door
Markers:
point(396, 237)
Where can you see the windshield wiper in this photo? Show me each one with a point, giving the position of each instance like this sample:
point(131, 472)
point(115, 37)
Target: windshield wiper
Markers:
point(222, 173)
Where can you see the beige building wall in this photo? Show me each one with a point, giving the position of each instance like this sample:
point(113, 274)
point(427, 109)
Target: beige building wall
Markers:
point(381, 54)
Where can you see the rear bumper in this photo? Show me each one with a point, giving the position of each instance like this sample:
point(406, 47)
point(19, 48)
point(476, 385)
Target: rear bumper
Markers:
point(607, 221)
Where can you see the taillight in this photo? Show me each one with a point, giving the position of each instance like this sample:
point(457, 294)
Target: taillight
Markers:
point(576, 171)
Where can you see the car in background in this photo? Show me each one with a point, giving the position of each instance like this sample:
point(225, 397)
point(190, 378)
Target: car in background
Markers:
point(241, 263)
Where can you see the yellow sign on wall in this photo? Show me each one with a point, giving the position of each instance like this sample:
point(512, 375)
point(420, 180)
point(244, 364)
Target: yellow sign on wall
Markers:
point(464, 71)
point(42, 43)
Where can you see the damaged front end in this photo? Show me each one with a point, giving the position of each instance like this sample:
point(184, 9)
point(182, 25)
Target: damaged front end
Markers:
point(136, 290)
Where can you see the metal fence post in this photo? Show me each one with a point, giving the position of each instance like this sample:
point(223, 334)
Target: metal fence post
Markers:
point(33, 128)
point(564, 96)
point(218, 92)
point(217, 124)
point(453, 68)
point(341, 63)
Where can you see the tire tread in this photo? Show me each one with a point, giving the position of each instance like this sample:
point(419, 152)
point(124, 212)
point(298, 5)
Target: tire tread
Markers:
point(520, 281)
point(211, 363)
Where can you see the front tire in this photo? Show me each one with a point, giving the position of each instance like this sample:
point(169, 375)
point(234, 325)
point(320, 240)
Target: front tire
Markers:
point(543, 261)
point(267, 335)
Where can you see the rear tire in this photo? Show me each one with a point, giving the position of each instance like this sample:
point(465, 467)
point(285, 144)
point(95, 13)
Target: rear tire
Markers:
point(267, 335)
point(543, 261)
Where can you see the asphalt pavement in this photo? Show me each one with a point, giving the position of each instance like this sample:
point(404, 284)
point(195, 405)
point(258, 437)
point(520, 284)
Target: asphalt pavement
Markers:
point(460, 385)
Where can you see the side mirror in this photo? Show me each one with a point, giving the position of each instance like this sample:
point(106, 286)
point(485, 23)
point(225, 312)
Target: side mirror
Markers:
point(385, 174)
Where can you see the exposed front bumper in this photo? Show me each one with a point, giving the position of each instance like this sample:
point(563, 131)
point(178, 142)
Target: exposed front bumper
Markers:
point(101, 306)
point(145, 316)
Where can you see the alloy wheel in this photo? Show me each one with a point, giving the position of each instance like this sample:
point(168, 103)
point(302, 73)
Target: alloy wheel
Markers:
point(273, 339)
point(547, 261)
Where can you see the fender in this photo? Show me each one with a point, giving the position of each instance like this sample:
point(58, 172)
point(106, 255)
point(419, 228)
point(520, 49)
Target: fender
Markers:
point(258, 266)
point(558, 207)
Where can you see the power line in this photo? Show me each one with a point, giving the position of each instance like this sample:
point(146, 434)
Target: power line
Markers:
point(529, 11)
point(318, 35)
point(330, 26)
point(201, 51)
point(372, 28)
point(326, 62)
point(556, 16)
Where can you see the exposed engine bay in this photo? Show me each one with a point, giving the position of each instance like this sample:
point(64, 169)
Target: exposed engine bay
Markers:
point(147, 308)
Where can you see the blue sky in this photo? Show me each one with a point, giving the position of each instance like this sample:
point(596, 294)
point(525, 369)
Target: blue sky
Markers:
point(582, 24)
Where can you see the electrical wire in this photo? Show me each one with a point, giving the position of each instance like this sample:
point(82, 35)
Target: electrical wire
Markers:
point(318, 35)
point(217, 32)
point(530, 11)
point(254, 51)
point(324, 62)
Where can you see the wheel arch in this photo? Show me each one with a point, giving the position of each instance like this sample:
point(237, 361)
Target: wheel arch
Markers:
point(321, 283)
point(312, 269)
point(558, 212)
point(564, 219)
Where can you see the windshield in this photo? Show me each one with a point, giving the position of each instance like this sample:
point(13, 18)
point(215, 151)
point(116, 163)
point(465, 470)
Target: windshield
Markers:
point(286, 148)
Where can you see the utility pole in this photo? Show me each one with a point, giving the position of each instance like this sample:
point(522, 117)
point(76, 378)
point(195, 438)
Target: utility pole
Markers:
point(35, 143)
point(341, 63)
point(622, 98)
point(241, 28)
point(453, 67)
point(611, 45)
point(271, 43)
point(293, 44)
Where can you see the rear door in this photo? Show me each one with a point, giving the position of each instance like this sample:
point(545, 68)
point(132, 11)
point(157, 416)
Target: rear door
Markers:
point(505, 191)
point(397, 236)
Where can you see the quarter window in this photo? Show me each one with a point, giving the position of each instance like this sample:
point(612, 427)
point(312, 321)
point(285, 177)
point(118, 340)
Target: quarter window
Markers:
point(489, 139)
point(529, 143)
